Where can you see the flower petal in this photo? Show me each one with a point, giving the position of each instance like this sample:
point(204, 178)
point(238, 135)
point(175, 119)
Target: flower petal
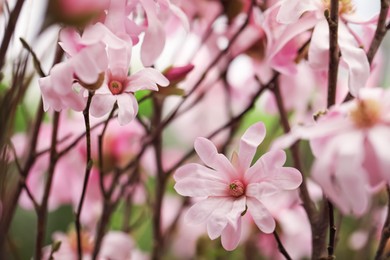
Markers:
point(291, 10)
point(201, 210)
point(209, 155)
point(127, 108)
point(231, 235)
point(102, 104)
point(196, 181)
point(262, 217)
point(355, 58)
point(251, 139)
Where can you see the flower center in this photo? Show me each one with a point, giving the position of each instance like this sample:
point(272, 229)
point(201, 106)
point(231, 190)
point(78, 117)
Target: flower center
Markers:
point(115, 87)
point(345, 6)
point(236, 188)
point(366, 113)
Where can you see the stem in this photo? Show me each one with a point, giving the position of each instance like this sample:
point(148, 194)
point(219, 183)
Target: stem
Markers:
point(42, 209)
point(317, 229)
point(332, 231)
point(281, 247)
point(334, 53)
point(9, 31)
point(158, 239)
point(385, 230)
point(87, 173)
point(380, 31)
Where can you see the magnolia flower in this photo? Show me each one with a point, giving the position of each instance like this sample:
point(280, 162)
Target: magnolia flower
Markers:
point(300, 16)
point(351, 146)
point(118, 87)
point(232, 188)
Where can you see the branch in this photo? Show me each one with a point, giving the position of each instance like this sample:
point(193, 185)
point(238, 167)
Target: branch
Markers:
point(42, 209)
point(385, 235)
point(87, 173)
point(380, 31)
point(281, 247)
point(332, 17)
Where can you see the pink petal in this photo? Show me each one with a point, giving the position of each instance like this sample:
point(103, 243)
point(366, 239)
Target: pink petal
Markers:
point(154, 40)
point(102, 104)
point(127, 108)
point(355, 58)
point(196, 181)
point(228, 211)
point(379, 138)
point(89, 62)
point(291, 10)
point(263, 168)
point(70, 41)
point(231, 235)
point(201, 210)
point(209, 155)
point(119, 59)
point(251, 139)
point(62, 78)
point(261, 190)
point(147, 78)
point(319, 46)
point(262, 217)
point(100, 33)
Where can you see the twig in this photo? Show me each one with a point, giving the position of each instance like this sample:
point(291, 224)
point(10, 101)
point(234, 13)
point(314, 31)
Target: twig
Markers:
point(281, 247)
point(9, 31)
point(42, 209)
point(385, 230)
point(380, 31)
point(87, 173)
point(332, 17)
point(332, 231)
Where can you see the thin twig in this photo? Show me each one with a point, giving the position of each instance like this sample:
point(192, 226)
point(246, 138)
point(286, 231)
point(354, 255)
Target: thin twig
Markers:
point(332, 17)
point(380, 31)
point(385, 235)
point(42, 209)
point(281, 248)
point(86, 176)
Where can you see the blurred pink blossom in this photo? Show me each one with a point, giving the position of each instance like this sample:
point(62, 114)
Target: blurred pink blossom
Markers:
point(350, 143)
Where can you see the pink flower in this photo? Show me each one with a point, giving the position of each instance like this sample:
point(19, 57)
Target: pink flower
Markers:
point(232, 188)
point(299, 16)
point(119, 87)
point(350, 143)
point(115, 245)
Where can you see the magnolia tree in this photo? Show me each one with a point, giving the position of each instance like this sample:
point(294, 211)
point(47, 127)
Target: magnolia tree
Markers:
point(204, 129)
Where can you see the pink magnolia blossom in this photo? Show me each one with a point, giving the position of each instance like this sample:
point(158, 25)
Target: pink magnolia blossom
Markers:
point(350, 143)
point(119, 87)
point(115, 245)
point(298, 16)
point(232, 188)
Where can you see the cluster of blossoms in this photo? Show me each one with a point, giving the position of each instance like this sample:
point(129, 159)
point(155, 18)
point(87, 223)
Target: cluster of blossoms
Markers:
point(240, 62)
point(99, 61)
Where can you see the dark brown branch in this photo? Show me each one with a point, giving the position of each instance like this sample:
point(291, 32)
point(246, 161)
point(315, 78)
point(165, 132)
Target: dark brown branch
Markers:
point(332, 17)
point(332, 231)
point(42, 209)
point(318, 234)
point(281, 248)
point(380, 31)
point(86, 176)
point(385, 235)
point(9, 31)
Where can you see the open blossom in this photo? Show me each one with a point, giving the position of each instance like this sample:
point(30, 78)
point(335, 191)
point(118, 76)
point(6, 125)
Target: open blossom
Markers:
point(119, 87)
point(350, 143)
point(303, 15)
point(233, 188)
